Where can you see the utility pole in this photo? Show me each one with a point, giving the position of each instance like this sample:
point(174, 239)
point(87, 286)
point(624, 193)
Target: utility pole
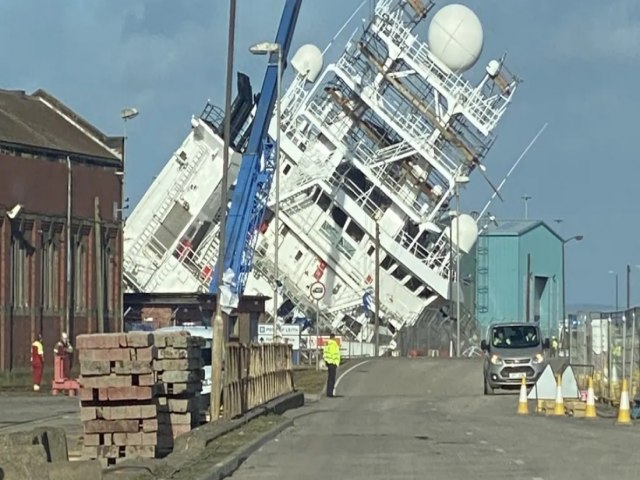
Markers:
point(218, 340)
point(458, 282)
point(97, 231)
point(377, 293)
point(528, 299)
point(628, 286)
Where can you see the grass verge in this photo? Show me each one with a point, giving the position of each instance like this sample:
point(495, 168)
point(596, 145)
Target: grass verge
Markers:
point(309, 380)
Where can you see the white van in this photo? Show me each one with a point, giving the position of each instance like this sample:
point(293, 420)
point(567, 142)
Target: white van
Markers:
point(203, 332)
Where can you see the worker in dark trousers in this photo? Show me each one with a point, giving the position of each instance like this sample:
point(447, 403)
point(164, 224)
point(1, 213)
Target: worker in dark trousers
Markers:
point(331, 355)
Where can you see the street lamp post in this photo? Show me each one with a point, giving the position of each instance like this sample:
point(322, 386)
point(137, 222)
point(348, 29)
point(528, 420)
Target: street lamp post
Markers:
point(459, 179)
point(265, 48)
point(127, 114)
point(526, 199)
point(577, 238)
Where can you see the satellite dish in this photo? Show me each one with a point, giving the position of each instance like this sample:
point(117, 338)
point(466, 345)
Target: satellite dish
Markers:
point(308, 61)
point(456, 37)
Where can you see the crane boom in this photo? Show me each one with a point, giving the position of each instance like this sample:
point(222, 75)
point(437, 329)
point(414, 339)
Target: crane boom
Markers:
point(249, 199)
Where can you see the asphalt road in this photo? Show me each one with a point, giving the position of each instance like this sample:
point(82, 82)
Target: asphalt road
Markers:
point(427, 418)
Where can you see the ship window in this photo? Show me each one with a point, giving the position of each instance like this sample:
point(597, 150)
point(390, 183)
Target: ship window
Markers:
point(298, 255)
point(339, 216)
point(399, 273)
point(371, 250)
point(324, 202)
point(387, 262)
point(287, 169)
point(284, 230)
point(413, 284)
point(346, 248)
point(355, 232)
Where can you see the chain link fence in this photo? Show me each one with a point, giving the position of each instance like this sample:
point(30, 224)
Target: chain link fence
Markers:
point(608, 344)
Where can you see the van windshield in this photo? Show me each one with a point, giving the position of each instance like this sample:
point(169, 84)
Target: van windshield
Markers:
point(520, 336)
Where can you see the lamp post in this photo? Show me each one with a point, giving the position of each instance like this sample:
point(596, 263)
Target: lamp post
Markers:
point(265, 48)
point(127, 114)
point(459, 180)
point(577, 238)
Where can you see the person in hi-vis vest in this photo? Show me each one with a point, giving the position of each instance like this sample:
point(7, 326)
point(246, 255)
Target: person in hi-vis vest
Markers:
point(37, 362)
point(331, 355)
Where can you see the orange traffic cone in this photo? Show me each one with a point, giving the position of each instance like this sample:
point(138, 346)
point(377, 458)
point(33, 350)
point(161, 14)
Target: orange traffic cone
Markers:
point(523, 405)
point(624, 412)
point(590, 411)
point(558, 408)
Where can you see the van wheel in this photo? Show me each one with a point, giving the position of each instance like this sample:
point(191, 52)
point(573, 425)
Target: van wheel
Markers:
point(487, 388)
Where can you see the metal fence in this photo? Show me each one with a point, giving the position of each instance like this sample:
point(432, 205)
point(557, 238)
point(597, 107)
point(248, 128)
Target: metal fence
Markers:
point(608, 343)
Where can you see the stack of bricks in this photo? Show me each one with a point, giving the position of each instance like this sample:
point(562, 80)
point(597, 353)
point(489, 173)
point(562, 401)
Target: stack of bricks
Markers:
point(117, 395)
point(179, 373)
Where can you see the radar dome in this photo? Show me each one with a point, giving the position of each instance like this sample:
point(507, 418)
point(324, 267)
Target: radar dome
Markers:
point(308, 61)
point(456, 37)
point(468, 231)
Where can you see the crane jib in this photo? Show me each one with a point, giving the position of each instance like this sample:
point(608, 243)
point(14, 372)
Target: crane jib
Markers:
point(249, 198)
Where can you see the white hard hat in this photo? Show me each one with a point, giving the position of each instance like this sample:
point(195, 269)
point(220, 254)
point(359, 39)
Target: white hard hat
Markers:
point(64, 336)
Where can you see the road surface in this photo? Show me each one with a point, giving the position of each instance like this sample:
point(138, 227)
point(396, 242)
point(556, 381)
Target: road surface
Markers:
point(427, 418)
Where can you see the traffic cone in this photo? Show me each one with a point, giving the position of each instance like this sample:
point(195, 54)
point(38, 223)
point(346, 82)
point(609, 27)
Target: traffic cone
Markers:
point(590, 411)
point(523, 405)
point(558, 408)
point(624, 413)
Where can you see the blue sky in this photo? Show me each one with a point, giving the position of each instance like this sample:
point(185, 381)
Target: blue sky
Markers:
point(580, 61)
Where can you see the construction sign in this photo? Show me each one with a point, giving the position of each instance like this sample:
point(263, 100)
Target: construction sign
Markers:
point(310, 341)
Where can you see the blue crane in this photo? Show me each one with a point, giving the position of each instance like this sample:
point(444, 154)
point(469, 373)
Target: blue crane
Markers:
point(253, 183)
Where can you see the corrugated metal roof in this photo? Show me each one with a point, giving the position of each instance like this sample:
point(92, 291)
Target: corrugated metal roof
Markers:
point(516, 228)
point(37, 121)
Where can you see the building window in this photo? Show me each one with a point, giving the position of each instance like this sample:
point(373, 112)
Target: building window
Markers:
point(50, 272)
point(80, 273)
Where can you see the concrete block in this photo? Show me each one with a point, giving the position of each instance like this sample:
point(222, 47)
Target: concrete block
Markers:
point(172, 353)
point(111, 426)
point(150, 425)
point(99, 340)
point(182, 376)
point(81, 470)
point(95, 367)
point(105, 381)
point(140, 451)
point(108, 354)
point(22, 462)
point(193, 363)
point(146, 380)
point(179, 388)
point(139, 339)
point(129, 393)
point(145, 354)
point(132, 367)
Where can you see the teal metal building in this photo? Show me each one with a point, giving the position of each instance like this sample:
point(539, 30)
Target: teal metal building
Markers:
point(503, 256)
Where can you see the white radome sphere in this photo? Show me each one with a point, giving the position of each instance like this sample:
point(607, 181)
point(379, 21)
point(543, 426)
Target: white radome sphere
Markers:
point(456, 37)
point(308, 61)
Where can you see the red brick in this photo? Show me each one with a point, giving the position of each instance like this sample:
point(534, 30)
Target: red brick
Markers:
point(130, 393)
point(105, 381)
point(98, 340)
point(109, 354)
point(111, 426)
point(125, 412)
point(103, 394)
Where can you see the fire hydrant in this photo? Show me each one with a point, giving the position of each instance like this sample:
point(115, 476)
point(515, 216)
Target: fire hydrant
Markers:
point(62, 367)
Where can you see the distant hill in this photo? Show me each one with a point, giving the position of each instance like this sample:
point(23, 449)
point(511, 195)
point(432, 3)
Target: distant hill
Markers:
point(590, 307)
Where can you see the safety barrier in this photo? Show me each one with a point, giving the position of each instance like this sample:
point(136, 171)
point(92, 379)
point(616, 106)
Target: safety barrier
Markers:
point(254, 375)
point(608, 341)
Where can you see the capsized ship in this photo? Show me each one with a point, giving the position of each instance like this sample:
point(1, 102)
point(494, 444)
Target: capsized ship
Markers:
point(380, 138)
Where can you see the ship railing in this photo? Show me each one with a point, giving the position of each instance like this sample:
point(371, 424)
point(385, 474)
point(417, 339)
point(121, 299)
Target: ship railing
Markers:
point(371, 209)
point(412, 126)
point(412, 246)
point(417, 53)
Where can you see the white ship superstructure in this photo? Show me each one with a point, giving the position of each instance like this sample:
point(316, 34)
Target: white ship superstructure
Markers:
point(377, 138)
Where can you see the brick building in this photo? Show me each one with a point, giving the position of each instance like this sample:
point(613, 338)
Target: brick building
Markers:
point(56, 275)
